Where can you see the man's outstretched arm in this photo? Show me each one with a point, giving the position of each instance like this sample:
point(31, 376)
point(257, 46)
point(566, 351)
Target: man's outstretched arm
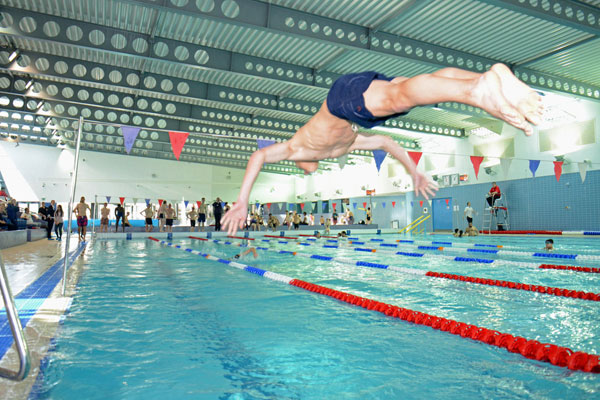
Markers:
point(421, 184)
point(234, 219)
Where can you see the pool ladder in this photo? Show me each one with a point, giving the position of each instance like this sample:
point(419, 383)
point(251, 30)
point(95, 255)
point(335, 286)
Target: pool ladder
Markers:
point(16, 328)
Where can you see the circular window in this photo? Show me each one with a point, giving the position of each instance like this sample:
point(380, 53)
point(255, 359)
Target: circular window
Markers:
point(156, 106)
point(166, 85)
point(118, 41)
point(83, 95)
point(79, 70)
point(115, 76)
point(142, 104)
point(27, 25)
point(183, 88)
point(42, 64)
point(113, 99)
point(61, 67)
point(97, 37)
point(67, 92)
point(133, 79)
point(182, 53)
point(205, 6)
point(150, 82)
point(98, 97)
point(161, 49)
point(97, 73)
point(201, 57)
point(127, 101)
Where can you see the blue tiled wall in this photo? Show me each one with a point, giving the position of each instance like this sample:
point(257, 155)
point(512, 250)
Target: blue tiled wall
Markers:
point(535, 203)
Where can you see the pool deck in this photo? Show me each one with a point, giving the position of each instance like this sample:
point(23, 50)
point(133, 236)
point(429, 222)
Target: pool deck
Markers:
point(24, 264)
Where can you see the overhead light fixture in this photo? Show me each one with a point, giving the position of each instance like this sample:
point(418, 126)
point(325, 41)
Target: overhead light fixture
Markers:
point(13, 55)
point(40, 104)
point(29, 84)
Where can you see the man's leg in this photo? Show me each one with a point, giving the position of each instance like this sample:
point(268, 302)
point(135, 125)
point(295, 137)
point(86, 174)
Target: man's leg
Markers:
point(497, 91)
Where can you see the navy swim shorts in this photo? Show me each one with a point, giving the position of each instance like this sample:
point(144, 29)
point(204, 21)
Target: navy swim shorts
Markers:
point(345, 99)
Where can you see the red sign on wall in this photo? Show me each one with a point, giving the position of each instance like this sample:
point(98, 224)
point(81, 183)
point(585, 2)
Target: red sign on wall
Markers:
point(370, 192)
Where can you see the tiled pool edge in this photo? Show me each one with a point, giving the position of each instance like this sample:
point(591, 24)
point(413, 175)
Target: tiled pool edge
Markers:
point(42, 324)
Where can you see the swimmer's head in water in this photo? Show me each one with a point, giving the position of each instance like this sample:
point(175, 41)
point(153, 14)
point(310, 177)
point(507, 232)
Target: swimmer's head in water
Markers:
point(308, 166)
point(236, 256)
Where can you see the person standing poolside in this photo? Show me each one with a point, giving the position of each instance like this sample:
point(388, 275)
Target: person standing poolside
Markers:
point(126, 221)
point(296, 220)
point(148, 214)
point(50, 209)
point(368, 99)
point(469, 213)
point(202, 214)
point(119, 215)
point(162, 216)
point(58, 222)
point(369, 215)
point(218, 213)
point(81, 210)
point(104, 213)
point(170, 214)
point(192, 215)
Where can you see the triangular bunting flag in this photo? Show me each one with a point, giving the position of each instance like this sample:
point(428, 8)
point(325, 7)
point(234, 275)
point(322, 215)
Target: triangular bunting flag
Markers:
point(223, 204)
point(354, 205)
point(342, 160)
point(198, 203)
point(411, 203)
point(147, 202)
point(122, 200)
point(186, 202)
point(135, 199)
point(333, 205)
point(582, 170)
point(558, 170)
point(447, 201)
point(379, 156)
point(415, 156)
point(365, 205)
point(383, 204)
point(505, 164)
point(302, 206)
point(374, 204)
point(129, 135)
point(421, 203)
point(533, 166)
point(262, 143)
point(269, 206)
point(257, 205)
point(108, 199)
point(177, 141)
point(160, 201)
point(476, 161)
point(393, 204)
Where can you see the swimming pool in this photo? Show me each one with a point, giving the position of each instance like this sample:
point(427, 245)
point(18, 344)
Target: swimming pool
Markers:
point(154, 322)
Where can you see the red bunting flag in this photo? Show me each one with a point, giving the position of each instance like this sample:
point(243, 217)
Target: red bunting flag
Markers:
point(364, 205)
point(177, 141)
point(476, 161)
point(447, 201)
point(160, 201)
point(302, 206)
point(333, 205)
point(122, 199)
point(269, 206)
point(421, 203)
point(393, 204)
point(558, 169)
point(415, 156)
point(199, 203)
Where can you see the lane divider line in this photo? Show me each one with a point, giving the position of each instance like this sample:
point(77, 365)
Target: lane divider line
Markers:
point(546, 352)
point(549, 290)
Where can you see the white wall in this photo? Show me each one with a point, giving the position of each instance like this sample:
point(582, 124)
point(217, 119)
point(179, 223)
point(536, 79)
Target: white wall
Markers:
point(44, 173)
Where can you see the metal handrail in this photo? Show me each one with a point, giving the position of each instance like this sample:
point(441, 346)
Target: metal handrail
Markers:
point(16, 328)
point(416, 221)
point(419, 223)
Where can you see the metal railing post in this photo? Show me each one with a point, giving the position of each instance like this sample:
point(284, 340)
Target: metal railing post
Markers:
point(73, 185)
point(16, 328)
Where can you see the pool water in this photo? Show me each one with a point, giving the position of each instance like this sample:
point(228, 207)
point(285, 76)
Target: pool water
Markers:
point(155, 322)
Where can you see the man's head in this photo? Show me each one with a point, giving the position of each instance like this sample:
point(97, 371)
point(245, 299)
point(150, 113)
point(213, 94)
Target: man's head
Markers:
point(105, 204)
point(470, 224)
point(203, 200)
point(468, 204)
point(82, 200)
point(549, 244)
point(494, 184)
point(308, 166)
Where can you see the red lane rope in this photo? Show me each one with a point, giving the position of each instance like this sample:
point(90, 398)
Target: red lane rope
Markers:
point(532, 349)
point(571, 268)
point(197, 238)
point(239, 237)
point(280, 237)
point(525, 232)
point(155, 239)
point(577, 294)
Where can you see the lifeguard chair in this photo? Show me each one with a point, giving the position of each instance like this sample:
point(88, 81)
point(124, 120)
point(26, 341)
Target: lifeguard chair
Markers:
point(497, 215)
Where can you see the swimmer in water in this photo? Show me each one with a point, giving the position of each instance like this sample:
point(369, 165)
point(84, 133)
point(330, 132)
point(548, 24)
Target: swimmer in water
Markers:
point(248, 251)
point(549, 245)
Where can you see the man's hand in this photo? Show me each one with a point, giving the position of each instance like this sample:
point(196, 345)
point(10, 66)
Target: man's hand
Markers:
point(235, 218)
point(423, 185)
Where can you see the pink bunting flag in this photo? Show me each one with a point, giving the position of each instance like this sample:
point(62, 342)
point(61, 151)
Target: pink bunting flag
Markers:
point(379, 156)
point(122, 200)
point(415, 156)
point(177, 141)
point(476, 161)
point(558, 169)
point(129, 135)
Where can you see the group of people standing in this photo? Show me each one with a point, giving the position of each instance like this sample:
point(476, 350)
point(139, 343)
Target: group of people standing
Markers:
point(166, 214)
point(120, 216)
point(49, 216)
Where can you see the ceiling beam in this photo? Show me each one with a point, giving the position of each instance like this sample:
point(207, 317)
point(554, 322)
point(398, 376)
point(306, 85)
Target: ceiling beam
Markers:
point(573, 14)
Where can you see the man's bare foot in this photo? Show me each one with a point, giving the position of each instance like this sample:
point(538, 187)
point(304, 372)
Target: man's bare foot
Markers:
point(519, 95)
point(487, 94)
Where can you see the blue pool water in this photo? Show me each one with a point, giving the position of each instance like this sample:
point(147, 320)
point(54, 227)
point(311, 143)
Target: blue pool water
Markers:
point(155, 322)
